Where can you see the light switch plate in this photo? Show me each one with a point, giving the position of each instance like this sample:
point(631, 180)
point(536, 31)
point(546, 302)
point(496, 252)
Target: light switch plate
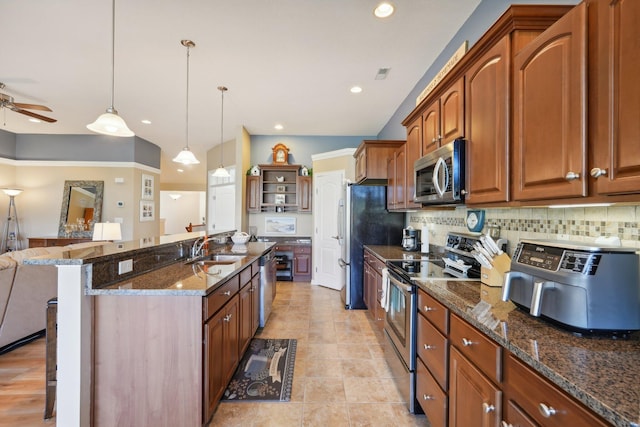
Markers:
point(125, 266)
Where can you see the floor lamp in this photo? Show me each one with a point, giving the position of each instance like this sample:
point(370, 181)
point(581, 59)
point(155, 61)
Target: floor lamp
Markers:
point(11, 234)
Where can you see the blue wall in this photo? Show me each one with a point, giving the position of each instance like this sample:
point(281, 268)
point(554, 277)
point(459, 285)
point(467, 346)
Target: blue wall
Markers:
point(487, 12)
point(7, 145)
point(301, 148)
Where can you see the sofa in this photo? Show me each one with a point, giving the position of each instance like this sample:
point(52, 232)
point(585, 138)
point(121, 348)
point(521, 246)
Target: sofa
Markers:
point(24, 293)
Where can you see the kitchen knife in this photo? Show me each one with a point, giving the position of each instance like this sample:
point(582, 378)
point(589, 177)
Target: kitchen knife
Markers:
point(494, 245)
point(486, 247)
point(477, 246)
point(482, 260)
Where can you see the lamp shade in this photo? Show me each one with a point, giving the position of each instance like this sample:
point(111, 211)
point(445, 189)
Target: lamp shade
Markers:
point(12, 191)
point(186, 157)
point(107, 231)
point(110, 123)
point(221, 172)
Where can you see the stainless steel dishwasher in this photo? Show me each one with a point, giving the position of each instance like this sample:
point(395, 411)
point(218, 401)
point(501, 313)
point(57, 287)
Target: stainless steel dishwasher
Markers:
point(267, 285)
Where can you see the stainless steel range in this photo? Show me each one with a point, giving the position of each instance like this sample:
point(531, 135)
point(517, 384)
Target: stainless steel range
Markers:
point(400, 303)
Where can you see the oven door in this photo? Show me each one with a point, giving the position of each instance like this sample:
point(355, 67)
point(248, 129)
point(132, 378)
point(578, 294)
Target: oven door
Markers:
point(401, 318)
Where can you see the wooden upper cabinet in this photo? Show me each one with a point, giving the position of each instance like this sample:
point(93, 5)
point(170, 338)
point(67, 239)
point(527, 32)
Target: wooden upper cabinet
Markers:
point(371, 160)
point(253, 193)
point(443, 119)
point(304, 193)
point(452, 113)
point(549, 150)
point(414, 152)
point(615, 93)
point(431, 127)
point(487, 125)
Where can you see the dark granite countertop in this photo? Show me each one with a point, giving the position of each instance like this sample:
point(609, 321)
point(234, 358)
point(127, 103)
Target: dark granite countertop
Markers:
point(600, 372)
point(188, 278)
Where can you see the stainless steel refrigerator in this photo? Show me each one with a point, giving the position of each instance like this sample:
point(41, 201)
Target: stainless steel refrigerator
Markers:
point(363, 219)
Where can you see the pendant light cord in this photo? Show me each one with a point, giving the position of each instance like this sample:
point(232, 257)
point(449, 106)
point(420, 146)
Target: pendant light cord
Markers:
point(187, 109)
point(222, 89)
point(113, 52)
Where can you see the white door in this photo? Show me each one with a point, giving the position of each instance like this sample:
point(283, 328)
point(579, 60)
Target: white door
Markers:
point(326, 248)
point(222, 207)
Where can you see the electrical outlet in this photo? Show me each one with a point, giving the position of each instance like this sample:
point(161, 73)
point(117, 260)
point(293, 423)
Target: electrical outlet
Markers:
point(125, 266)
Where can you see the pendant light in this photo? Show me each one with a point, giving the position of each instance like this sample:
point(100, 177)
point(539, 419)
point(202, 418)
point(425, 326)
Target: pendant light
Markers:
point(186, 157)
point(110, 123)
point(221, 172)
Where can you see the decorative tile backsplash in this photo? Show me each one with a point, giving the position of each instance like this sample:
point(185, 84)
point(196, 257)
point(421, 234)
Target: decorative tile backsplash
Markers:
point(578, 224)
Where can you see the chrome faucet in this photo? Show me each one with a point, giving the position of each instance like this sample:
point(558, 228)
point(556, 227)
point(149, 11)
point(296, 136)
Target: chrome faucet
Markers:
point(198, 245)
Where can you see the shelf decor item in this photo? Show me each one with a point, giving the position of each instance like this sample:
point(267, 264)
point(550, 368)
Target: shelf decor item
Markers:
point(280, 199)
point(280, 154)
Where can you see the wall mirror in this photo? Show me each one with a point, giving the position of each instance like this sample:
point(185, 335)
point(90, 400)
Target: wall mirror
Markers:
point(81, 208)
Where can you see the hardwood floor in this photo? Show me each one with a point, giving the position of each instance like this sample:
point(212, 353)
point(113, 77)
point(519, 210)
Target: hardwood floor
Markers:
point(22, 386)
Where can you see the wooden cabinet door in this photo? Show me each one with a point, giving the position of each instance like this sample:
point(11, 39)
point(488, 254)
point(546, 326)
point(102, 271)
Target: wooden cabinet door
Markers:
point(213, 375)
point(391, 184)
point(361, 164)
point(414, 152)
point(487, 126)
point(304, 194)
point(253, 193)
point(515, 417)
point(401, 178)
point(255, 304)
point(452, 113)
point(473, 399)
point(231, 332)
point(549, 158)
point(366, 286)
point(616, 159)
point(431, 128)
point(246, 321)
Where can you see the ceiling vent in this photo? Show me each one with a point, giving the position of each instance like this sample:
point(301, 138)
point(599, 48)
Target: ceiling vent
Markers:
point(382, 73)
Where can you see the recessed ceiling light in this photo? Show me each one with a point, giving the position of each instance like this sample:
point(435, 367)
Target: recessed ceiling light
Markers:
point(34, 120)
point(384, 10)
point(278, 126)
point(180, 170)
point(146, 122)
point(356, 89)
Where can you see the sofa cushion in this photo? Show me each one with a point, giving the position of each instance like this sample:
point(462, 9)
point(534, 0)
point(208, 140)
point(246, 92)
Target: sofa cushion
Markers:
point(20, 256)
point(7, 262)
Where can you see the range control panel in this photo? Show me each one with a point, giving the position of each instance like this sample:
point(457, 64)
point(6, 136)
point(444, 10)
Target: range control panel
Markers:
point(558, 259)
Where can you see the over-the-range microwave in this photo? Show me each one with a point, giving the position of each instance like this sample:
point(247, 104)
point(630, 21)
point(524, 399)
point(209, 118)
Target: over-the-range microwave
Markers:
point(440, 177)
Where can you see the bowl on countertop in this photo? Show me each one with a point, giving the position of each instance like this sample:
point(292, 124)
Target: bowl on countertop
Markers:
point(240, 238)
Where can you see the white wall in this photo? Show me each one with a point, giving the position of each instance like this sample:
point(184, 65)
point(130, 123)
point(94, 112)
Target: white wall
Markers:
point(189, 208)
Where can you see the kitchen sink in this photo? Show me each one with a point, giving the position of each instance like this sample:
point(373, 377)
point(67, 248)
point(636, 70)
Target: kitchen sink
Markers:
point(221, 259)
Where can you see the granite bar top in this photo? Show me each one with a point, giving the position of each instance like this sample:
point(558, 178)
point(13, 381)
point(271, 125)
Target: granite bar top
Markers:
point(600, 372)
point(188, 278)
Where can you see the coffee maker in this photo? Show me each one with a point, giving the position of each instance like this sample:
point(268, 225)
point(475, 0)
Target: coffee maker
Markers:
point(410, 239)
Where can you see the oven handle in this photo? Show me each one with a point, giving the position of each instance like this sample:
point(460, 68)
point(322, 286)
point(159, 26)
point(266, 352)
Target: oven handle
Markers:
point(407, 289)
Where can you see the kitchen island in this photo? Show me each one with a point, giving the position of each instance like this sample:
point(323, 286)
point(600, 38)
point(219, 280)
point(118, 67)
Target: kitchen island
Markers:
point(153, 345)
point(598, 372)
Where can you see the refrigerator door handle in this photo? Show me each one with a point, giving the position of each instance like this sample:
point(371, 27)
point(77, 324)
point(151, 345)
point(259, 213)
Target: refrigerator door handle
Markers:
point(340, 222)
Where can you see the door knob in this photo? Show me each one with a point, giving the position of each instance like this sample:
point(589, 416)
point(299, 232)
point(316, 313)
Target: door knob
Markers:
point(572, 176)
point(597, 172)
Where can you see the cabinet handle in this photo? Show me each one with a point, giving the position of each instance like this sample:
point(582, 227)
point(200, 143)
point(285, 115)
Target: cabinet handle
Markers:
point(464, 192)
point(428, 397)
point(429, 347)
point(226, 293)
point(466, 342)
point(487, 407)
point(596, 172)
point(434, 140)
point(227, 318)
point(546, 411)
point(427, 308)
point(504, 424)
point(571, 176)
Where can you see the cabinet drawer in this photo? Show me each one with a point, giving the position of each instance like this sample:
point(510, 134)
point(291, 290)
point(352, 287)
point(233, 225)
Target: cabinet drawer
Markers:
point(255, 268)
point(533, 393)
point(432, 400)
point(435, 312)
point(433, 349)
point(245, 276)
point(480, 350)
point(302, 250)
point(220, 296)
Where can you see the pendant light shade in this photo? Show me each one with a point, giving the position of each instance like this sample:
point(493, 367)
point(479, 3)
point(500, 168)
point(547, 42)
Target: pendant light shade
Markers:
point(221, 172)
point(110, 123)
point(186, 157)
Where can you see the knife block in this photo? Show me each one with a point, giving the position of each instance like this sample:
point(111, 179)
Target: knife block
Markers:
point(494, 276)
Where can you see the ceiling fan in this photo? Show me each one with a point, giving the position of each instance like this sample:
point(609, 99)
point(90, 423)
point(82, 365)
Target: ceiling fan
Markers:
point(6, 101)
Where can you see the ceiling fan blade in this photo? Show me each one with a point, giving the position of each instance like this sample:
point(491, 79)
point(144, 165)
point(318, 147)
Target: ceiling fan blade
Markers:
point(32, 106)
point(36, 116)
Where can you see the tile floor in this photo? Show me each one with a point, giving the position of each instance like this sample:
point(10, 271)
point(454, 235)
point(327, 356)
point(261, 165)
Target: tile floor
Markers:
point(340, 376)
